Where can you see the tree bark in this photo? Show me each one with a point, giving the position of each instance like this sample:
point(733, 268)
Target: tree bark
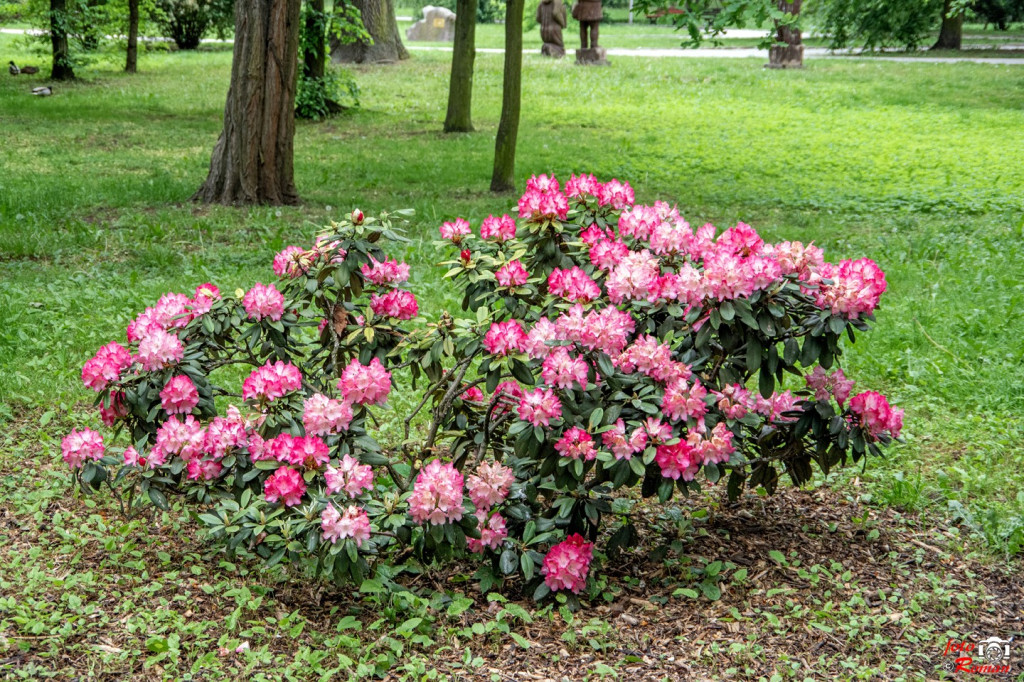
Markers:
point(503, 178)
point(132, 62)
point(379, 21)
point(790, 55)
point(951, 33)
point(61, 69)
point(314, 58)
point(460, 85)
point(252, 160)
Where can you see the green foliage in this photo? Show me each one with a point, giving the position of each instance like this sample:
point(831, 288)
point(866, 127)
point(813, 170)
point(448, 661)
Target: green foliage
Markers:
point(878, 23)
point(188, 21)
point(707, 19)
point(319, 98)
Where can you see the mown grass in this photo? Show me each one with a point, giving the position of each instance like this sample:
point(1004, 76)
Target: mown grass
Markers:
point(909, 164)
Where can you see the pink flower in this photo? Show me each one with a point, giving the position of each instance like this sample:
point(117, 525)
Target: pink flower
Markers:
point(323, 416)
point(512, 274)
point(536, 341)
point(616, 442)
point(576, 444)
point(106, 366)
point(715, 449)
point(857, 287)
point(566, 565)
point(365, 384)
point(203, 300)
point(286, 485)
point(505, 337)
point(545, 184)
point(350, 476)
point(657, 431)
point(437, 494)
point(580, 185)
point(563, 371)
point(271, 381)
point(684, 401)
point(354, 523)
point(616, 194)
point(875, 415)
point(677, 461)
point(159, 349)
point(117, 409)
point(795, 258)
point(291, 262)
point(473, 395)
point(263, 302)
point(179, 395)
point(386, 272)
point(508, 395)
point(573, 285)
point(825, 385)
point(455, 231)
point(540, 406)
point(741, 240)
point(492, 535)
point(204, 470)
point(397, 303)
point(734, 401)
point(499, 229)
point(185, 439)
point(776, 405)
point(639, 222)
point(489, 486)
point(671, 238)
point(636, 277)
point(539, 207)
point(607, 253)
point(132, 458)
point(172, 311)
point(309, 451)
point(224, 436)
point(80, 446)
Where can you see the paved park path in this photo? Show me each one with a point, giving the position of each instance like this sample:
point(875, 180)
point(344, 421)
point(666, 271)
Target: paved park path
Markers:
point(717, 52)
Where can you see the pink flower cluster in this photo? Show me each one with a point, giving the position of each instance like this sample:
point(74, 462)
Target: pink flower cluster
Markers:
point(875, 415)
point(576, 443)
point(684, 458)
point(826, 385)
point(498, 229)
point(292, 262)
point(437, 494)
point(566, 565)
point(106, 366)
point(350, 476)
point(323, 416)
point(542, 201)
point(176, 437)
point(397, 303)
point(354, 523)
point(492, 533)
point(159, 349)
point(540, 406)
point(562, 370)
point(308, 451)
point(284, 485)
point(606, 330)
point(78, 447)
point(117, 409)
point(619, 445)
point(272, 381)
point(387, 272)
point(683, 401)
point(512, 274)
point(263, 301)
point(365, 384)
point(573, 285)
point(172, 311)
point(504, 338)
point(489, 485)
point(856, 287)
point(179, 395)
point(456, 230)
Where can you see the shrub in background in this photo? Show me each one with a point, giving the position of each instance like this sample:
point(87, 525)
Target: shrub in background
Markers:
point(606, 347)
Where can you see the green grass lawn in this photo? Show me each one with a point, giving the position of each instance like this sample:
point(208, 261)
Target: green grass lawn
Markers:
point(914, 165)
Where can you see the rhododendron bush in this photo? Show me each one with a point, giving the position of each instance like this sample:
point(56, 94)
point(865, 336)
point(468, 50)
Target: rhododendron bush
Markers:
point(603, 346)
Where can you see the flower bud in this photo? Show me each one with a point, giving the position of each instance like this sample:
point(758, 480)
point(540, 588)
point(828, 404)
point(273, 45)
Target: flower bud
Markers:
point(357, 217)
point(467, 256)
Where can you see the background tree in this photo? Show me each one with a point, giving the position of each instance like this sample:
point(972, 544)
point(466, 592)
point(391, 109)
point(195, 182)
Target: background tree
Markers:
point(321, 89)
point(252, 160)
point(460, 86)
point(132, 58)
point(385, 43)
point(61, 68)
point(503, 177)
point(951, 32)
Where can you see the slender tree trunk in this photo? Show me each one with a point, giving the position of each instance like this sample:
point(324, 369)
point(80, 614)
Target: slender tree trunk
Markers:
point(460, 85)
point(252, 160)
point(314, 58)
point(132, 62)
point(61, 69)
point(379, 21)
point(951, 33)
point(503, 178)
point(790, 55)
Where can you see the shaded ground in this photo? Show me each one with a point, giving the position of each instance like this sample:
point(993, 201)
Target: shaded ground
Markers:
point(807, 584)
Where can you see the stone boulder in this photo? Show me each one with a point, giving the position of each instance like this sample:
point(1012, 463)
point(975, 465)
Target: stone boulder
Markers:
point(437, 25)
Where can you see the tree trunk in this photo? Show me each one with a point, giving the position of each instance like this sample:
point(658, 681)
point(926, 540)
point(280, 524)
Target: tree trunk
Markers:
point(379, 21)
point(952, 29)
point(790, 55)
point(252, 161)
point(132, 63)
point(61, 69)
point(314, 58)
point(460, 85)
point(503, 178)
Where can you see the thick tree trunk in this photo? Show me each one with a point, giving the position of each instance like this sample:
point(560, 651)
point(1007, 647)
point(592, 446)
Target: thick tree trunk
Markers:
point(379, 21)
point(460, 85)
point(503, 178)
point(132, 62)
point(790, 55)
point(61, 69)
point(252, 161)
point(314, 58)
point(951, 33)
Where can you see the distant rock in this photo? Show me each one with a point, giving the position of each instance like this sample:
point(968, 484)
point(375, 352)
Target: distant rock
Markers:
point(437, 25)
